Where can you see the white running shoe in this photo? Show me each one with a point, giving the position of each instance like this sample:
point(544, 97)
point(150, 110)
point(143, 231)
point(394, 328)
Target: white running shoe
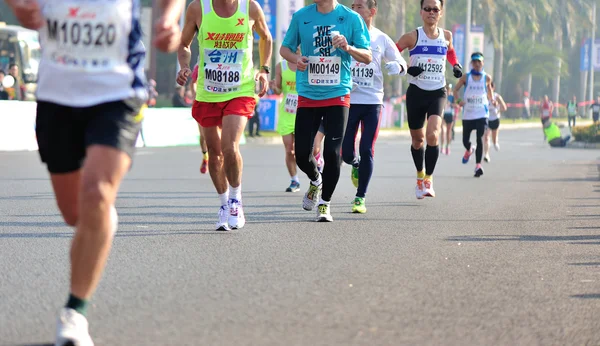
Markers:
point(428, 188)
point(223, 224)
point(487, 158)
point(72, 329)
point(323, 214)
point(419, 189)
point(497, 146)
point(311, 197)
point(236, 214)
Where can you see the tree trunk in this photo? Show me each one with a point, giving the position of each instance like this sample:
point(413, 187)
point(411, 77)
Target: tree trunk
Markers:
point(556, 82)
point(499, 60)
point(400, 29)
point(530, 76)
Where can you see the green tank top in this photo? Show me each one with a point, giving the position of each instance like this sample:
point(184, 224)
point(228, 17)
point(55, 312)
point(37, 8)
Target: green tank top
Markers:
point(225, 55)
point(572, 108)
point(552, 132)
point(289, 102)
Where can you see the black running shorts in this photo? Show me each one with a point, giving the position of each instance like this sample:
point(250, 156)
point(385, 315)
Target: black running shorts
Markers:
point(64, 133)
point(421, 104)
point(494, 124)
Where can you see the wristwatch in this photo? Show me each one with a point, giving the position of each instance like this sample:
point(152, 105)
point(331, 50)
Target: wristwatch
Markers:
point(266, 69)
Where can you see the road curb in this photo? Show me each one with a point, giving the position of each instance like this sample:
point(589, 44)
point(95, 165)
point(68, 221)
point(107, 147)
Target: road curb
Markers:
point(384, 133)
point(583, 145)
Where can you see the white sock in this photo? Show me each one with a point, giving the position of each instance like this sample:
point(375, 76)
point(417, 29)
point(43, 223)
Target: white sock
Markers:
point(317, 182)
point(236, 192)
point(295, 178)
point(224, 197)
point(321, 201)
point(114, 219)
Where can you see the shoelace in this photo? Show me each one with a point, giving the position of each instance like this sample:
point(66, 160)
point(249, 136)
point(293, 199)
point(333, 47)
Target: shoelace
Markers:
point(323, 209)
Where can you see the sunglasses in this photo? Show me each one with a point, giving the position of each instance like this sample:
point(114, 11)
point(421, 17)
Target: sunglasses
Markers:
point(432, 9)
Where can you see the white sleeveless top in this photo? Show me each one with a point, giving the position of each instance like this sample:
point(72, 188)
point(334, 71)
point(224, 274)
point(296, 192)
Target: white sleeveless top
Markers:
point(494, 111)
point(475, 96)
point(430, 55)
point(92, 52)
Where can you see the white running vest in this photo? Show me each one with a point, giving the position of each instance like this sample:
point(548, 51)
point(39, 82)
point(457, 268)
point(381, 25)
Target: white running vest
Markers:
point(430, 55)
point(92, 52)
point(369, 77)
point(475, 97)
point(494, 111)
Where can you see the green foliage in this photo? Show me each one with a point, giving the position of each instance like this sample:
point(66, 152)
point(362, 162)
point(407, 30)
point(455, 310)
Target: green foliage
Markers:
point(589, 134)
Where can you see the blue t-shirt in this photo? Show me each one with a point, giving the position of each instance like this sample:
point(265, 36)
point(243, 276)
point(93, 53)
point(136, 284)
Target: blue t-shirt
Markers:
point(330, 75)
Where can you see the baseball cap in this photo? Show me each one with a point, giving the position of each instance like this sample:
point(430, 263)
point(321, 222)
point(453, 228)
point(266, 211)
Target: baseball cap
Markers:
point(477, 56)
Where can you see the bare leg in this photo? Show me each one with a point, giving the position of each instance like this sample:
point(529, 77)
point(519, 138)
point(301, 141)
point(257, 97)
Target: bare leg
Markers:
point(215, 158)
point(290, 154)
point(233, 127)
point(102, 174)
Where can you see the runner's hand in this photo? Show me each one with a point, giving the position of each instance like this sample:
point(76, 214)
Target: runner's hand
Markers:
point(168, 35)
point(414, 71)
point(457, 70)
point(302, 63)
point(393, 68)
point(28, 13)
point(183, 75)
point(263, 80)
point(339, 41)
point(462, 103)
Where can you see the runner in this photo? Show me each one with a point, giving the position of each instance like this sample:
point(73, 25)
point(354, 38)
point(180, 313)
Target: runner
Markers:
point(493, 124)
point(546, 107)
point(89, 98)
point(225, 94)
point(366, 102)
point(478, 95)
point(595, 110)
point(285, 83)
point(429, 46)
point(447, 127)
point(330, 34)
point(572, 111)
point(203, 146)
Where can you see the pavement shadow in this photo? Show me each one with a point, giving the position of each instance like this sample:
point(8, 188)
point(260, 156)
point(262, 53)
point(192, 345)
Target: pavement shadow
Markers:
point(486, 238)
point(36, 344)
point(119, 234)
point(585, 264)
point(586, 296)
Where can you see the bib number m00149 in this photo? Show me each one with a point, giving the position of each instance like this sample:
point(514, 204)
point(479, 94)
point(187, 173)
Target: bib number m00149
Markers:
point(324, 70)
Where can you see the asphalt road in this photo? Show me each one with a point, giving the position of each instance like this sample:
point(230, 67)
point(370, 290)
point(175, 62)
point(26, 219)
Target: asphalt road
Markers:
point(511, 258)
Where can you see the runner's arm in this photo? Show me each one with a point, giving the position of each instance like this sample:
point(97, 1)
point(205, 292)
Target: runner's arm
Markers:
point(171, 9)
point(193, 18)
point(461, 81)
point(408, 40)
point(265, 43)
point(276, 86)
point(490, 92)
point(500, 100)
point(291, 41)
point(360, 47)
point(393, 54)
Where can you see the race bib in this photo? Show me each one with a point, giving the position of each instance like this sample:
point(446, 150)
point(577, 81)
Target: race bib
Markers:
point(291, 103)
point(545, 113)
point(474, 102)
point(86, 36)
point(324, 70)
point(222, 70)
point(433, 69)
point(363, 75)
